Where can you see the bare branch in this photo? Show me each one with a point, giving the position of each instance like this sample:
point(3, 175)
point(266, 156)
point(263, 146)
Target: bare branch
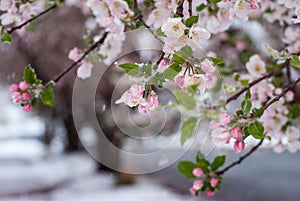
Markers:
point(179, 10)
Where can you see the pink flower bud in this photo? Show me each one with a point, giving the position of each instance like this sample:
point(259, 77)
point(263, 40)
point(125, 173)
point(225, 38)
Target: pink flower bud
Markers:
point(197, 172)
point(214, 182)
point(239, 146)
point(26, 96)
point(163, 63)
point(27, 108)
point(13, 88)
point(23, 85)
point(143, 109)
point(224, 118)
point(210, 193)
point(198, 184)
point(179, 81)
point(192, 191)
point(236, 133)
point(17, 97)
point(289, 96)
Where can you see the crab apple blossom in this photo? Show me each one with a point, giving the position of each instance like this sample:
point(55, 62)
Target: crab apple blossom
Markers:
point(239, 146)
point(23, 85)
point(193, 191)
point(27, 108)
point(214, 182)
point(197, 172)
point(173, 28)
point(255, 66)
point(210, 193)
point(198, 184)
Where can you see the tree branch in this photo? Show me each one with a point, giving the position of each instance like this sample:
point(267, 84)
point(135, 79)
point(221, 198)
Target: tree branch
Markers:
point(11, 30)
point(179, 10)
point(190, 7)
point(92, 48)
point(240, 159)
point(268, 75)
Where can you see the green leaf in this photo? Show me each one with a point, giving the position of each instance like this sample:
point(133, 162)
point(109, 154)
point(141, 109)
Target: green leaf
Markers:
point(130, 68)
point(172, 71)
point(218, 162)
point(246, 56)
point(295, 61)
point(147, 68)
point(188, 129)
point(186, 168)
point(183, 54)
point(158, 79)
point(29, 75)
point(59, 3)
point(6, 38)
point(185, 99)
point(258, 112)
point(159, 32)
point(193, 88)
point(246, 106)
point(276, 54)
point(294, 111)
point(191, 20)
point(217, 61)
point(47, 97)
point(214, 1)
point(201, 7)
point(256, 130)
point(244, 82)
point(248, 95)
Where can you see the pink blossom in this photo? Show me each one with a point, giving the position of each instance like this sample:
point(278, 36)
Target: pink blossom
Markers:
point(23, 85)
point(197, 172)
point(17, 97)
point(13, 88)
point(198, 184)
point(133, 96)
point(192, 191)
point(210, 193)
point(208, 66)
point(27, 108)
point(152, 102)
point(143, 108)
point(236, 133)
point(26, 96)
point(214, 182)
point(289, 96)
point(224, 118)
point(74, 54)
point(179, 81)
point(85, 70)
point(239, 146)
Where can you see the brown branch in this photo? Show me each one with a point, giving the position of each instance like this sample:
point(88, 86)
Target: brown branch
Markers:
point(179, 10)
point(92, 48)
point(11, 30)
point(291, 86)
point(242, 158)
point(268, 75)
point(190, 7)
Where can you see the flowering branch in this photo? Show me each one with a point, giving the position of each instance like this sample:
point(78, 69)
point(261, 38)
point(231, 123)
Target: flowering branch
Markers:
point(240, 159)
point(86, 53)
point(11, 30)
point(179, 10)
point(268, 75)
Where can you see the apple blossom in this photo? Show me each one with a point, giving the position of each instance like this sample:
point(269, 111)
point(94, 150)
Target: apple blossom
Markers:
point(198, 184)
point(214, 182)
point(197, 172)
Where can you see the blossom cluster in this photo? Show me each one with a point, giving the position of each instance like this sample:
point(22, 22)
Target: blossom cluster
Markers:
point(15, 13)
point(20, 94)
point(135, 97)
point(198, 184)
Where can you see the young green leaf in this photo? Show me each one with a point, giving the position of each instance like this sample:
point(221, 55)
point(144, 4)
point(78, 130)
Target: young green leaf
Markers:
point(29, 75)
point(218, 162)
point(191, 20)
point(185, 99)
point(186, 168)
point(6, 38)
point(47, 97)
point(130, 68)
point(258, 112)
point(158, 79)
point(188, 129)
point(256, 130)
point(246, 106)
point(295, 61)
point(147, 68)
point(172, 71)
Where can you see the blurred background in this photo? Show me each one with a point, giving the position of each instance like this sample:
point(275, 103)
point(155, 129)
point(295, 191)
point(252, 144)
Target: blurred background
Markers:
point(42, 157)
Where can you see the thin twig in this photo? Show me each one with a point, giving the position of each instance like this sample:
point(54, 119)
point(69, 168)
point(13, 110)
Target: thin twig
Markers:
point(179, 10)
point(190, 7)
point(149, 28)
point(92, 48)
point(268, 75)
point(240, 159)
point(291, 86)
point(11, 30)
